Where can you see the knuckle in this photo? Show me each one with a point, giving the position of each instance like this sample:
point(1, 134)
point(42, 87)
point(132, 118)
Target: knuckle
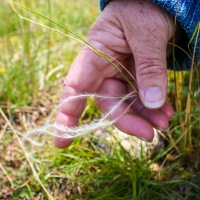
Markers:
point(151, 70)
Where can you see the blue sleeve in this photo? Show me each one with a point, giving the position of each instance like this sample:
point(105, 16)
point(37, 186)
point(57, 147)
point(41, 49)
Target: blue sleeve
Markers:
point(187, 13)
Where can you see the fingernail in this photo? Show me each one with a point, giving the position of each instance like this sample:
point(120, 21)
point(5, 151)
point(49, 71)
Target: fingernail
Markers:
point(154, 97)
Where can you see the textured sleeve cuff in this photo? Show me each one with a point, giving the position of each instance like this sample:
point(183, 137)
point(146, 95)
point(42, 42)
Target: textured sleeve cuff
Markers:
point(187, 13)
point(103, 3)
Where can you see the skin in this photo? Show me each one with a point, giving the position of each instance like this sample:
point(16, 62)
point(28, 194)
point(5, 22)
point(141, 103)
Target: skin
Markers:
point(135, 33)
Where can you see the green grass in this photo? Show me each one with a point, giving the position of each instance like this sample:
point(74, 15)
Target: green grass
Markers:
point(33, 51)
point(32, 67)
point(87, 171)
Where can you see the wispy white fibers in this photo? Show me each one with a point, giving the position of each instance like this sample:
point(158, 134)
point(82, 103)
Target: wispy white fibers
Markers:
point(38, 136)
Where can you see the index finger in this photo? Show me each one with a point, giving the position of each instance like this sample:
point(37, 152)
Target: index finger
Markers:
point(84, 76)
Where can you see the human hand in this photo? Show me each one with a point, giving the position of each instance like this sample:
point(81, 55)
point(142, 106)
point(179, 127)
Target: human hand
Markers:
point(135, 33)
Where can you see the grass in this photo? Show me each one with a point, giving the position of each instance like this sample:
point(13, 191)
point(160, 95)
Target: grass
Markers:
point(31, 49)
point(32, 68)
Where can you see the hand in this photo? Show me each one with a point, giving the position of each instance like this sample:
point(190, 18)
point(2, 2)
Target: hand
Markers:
point(135, 33)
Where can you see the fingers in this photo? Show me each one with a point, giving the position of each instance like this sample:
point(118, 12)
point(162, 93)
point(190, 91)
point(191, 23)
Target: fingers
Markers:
point(168, 110)
point(158, 118)
point(126, 121)
point(84, 76)
point(135, 120)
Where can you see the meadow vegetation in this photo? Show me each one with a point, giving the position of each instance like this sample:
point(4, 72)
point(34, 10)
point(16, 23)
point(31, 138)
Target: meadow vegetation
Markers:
point(33, 63)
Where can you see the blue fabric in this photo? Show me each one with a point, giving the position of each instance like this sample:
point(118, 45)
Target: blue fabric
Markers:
point(187, 13)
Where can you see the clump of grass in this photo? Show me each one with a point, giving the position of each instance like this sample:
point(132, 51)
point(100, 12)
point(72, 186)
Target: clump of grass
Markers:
point(87, 170)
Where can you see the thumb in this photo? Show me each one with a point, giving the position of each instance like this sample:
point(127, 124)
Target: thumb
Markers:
point(147, 32)
point(151, 74)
